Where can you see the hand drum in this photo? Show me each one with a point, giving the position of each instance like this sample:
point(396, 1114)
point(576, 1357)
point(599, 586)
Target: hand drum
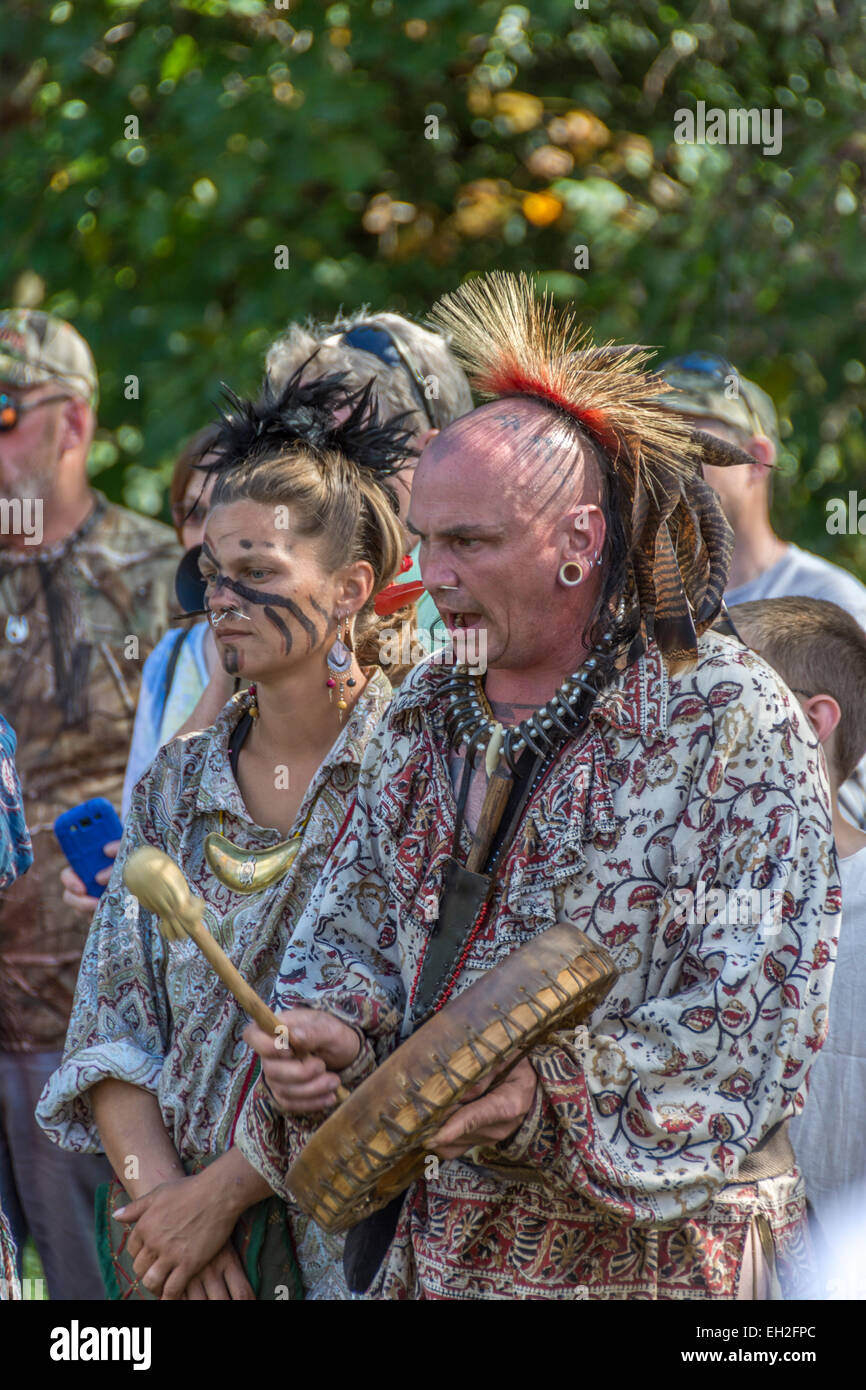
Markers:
point(371, 1147)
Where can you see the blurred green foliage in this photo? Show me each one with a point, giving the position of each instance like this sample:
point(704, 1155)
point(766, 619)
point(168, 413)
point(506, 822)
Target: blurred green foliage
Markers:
point(157, 152)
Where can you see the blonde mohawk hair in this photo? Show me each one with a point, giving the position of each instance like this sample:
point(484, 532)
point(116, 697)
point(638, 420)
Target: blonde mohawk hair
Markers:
point(514, 343)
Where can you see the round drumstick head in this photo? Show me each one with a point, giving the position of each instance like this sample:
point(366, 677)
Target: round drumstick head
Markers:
point(160, 887)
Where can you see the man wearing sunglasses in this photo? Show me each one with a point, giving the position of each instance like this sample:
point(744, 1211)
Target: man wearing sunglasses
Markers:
point(715, 397)
point(79, 612)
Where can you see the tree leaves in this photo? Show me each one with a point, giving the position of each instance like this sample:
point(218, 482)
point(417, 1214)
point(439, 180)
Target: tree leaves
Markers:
point(309, 126)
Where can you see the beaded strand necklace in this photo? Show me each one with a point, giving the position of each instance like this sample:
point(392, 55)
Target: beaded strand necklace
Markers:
point(469, 719)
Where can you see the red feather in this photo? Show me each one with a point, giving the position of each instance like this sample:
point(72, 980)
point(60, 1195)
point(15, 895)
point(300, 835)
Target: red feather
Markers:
point(397, 596)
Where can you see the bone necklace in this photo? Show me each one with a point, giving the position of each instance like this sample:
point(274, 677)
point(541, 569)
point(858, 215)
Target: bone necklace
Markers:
point(469, 722)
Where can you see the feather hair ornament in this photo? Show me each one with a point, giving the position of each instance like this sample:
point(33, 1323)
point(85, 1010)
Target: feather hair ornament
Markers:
point(319, 413)
point(514, 343)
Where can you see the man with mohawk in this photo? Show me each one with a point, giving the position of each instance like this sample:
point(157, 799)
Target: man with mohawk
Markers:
point(669, 801)
point(301, 535)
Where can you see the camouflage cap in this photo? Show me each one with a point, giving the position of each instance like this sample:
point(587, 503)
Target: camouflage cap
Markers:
point(712, 388)
point(36, 347)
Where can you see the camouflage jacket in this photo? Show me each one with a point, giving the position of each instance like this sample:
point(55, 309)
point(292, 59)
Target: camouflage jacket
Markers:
point(77, 621)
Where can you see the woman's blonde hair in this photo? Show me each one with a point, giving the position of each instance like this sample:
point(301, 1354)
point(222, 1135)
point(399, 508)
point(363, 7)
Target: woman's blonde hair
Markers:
point(288, 449)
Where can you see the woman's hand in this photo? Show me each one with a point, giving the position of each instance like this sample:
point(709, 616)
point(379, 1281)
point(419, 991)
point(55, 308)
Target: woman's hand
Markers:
point(178, 1229)
point(221, 1278)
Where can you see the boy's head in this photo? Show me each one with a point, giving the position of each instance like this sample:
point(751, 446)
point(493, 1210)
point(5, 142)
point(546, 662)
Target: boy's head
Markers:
point(819, 650)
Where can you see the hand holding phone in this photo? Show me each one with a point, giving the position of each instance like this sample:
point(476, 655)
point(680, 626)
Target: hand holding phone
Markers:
point(84, 833)
point(74, 891)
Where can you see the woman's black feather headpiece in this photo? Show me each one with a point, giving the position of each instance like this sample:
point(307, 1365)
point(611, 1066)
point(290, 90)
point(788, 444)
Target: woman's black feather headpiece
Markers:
point(304, 411)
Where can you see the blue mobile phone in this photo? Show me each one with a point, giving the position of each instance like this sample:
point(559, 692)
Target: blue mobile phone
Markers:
point(82, 833)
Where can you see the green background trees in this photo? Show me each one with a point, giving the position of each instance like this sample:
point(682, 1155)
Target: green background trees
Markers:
point(395, 146)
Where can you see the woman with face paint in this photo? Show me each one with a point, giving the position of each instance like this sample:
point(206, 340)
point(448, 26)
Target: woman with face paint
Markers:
point(301, 536)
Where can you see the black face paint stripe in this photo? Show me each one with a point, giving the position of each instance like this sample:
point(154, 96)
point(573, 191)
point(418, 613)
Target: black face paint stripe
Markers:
point(275, 601)
point(319, 609)
point(268, 601)
point(281, 627)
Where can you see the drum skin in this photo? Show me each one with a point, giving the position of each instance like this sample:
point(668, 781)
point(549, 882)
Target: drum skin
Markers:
point(370, 1149)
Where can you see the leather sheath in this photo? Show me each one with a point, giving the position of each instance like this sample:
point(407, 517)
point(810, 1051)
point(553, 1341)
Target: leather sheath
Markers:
point(772, 1157)
point(463, 896)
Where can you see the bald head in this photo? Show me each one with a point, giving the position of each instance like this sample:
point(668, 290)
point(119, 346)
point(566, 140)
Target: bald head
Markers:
point(531, 454)
point(507, 504)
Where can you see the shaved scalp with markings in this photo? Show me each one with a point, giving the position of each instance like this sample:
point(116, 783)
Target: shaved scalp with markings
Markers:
point(502, 500)
point(517, 343)
point(538, 457)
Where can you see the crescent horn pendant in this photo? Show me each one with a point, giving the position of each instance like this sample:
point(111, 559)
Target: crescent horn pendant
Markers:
point(249, 871)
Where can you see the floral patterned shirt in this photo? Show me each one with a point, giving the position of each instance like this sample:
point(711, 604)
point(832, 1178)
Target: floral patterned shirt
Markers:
point(156, 1015)
point(688, 830)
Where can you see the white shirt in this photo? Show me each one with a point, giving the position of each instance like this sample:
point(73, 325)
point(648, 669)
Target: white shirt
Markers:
point(802, 573)
point(829, 1137)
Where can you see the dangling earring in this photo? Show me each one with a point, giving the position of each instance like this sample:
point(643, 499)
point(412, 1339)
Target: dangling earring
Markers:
point(571, 565)
point(253, 705)
point(339, 664)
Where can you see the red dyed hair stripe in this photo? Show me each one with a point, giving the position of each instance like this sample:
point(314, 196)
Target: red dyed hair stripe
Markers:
point(512, 381)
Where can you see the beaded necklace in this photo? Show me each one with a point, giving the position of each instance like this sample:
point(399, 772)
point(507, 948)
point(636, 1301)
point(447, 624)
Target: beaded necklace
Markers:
point(469, 719)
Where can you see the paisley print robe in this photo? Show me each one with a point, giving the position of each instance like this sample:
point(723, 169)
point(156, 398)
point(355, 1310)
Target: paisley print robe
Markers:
point(688, 830)
point(156, 1015)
